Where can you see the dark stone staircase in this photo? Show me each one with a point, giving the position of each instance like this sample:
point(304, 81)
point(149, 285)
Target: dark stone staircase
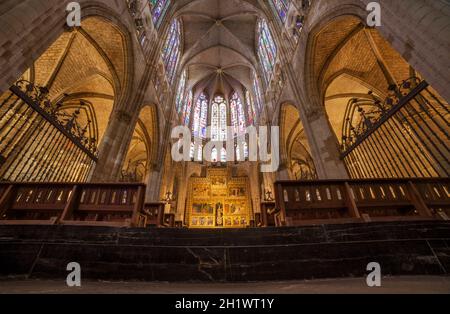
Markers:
point(323, 251)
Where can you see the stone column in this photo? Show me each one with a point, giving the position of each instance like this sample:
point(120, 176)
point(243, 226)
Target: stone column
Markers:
point(255, 187)
point(324, 147)
point(283, 172)
point(153, 182)
point(117, 132)
point(182, 194)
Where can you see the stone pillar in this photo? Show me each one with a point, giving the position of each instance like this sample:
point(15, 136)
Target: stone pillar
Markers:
point(153, 182)
point(283, 172)
point(182, 195)
point(109, 160)
point(325, 147)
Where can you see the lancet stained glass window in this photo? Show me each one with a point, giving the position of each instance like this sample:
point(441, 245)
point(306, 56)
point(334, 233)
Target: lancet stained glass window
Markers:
point(223, 121)
point(257, 92)
point(215, 121)
point(223, 155)
point(159, 9)
point(250, 107)
point(219, 119)
point(267, 50)
point(172, 50)
point(188, 108)
point(234, 117)
point(200, 116)
point(214, 155)
point(281, 8)
point(239, 157)
point(181, 92)
point(237, 114)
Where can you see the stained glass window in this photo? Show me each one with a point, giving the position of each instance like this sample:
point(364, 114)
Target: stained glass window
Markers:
point(250, 107)
point(223, 155)
point(215, 121)
point(159, 9)
point(219, 119)
point(200, 153)
point(200, 116)
point(257, 92)
point(214, 155)
point(281, 8)
point(223, 121)
point(181, 92)
point(191, 153)
point(234, 117)
point(237, 114)
point(204, 118)
point(267, 50)
point(243, 145)
point(172, 50)
point(188, 108)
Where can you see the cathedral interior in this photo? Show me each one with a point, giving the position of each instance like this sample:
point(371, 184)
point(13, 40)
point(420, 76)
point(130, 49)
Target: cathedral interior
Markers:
point(357, 115)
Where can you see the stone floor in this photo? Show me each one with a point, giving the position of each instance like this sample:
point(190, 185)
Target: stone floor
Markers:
point(410, 285)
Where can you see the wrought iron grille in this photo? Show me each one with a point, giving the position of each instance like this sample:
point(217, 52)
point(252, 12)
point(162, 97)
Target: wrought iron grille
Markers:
point(40, 141)
point(406, 135)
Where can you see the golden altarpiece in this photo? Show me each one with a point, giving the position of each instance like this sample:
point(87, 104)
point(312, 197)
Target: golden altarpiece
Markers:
point(218, 200)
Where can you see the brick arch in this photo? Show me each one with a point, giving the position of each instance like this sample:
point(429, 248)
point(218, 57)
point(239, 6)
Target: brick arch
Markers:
point(34, 37)
point(293, 142)
point(408, 33)
point(312, 89)
point(81, 63)
point(143, 146)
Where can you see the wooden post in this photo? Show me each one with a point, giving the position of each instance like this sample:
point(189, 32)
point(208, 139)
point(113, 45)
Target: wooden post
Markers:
point(418, 202)
point(71, 205)
point(170, 218)
point(264, 219)
point(6, 199)
point(279, 203)
point(350, 201)
point(160, 217)
point(138, 206)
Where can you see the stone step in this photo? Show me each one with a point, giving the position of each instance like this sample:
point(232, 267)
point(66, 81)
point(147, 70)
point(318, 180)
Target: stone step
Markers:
point(328, 251)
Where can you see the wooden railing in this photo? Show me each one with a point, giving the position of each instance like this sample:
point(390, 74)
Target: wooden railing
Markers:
point(340, 201)
point(297, 203)
point(155, 214)
point(73, 204)
point(270, 214)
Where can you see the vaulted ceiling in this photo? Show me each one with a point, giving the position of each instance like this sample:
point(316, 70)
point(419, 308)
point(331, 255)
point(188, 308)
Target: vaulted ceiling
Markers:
point(88, 64)
point(219, 43)
point(350, 60)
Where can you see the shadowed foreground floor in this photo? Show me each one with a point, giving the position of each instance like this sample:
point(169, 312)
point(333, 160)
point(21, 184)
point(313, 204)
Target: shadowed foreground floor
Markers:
point(411, 284)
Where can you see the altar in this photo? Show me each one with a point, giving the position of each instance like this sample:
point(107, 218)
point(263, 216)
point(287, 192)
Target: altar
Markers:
point(218, 201)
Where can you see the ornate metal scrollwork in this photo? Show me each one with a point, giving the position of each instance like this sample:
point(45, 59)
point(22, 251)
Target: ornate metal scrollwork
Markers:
point(58, 116)
point(362, 114)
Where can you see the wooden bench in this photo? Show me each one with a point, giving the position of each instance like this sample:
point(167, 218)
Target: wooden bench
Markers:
point(73, 204)
point(348, 201)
